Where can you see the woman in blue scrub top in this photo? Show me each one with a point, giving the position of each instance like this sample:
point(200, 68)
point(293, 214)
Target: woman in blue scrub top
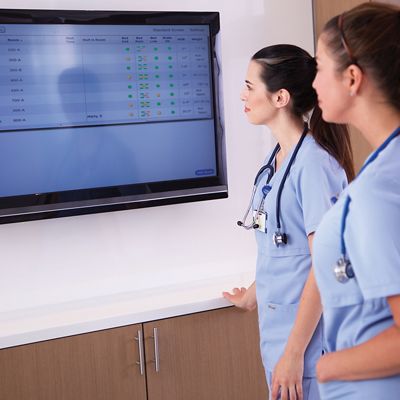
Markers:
point(303, 176)
point(357, 245)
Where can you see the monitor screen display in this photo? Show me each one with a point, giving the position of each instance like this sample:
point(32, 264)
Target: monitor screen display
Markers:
point(107, 110)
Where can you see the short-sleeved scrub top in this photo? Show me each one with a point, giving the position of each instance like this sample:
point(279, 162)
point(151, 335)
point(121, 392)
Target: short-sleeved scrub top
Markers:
point(314, 181)
point(356, 311)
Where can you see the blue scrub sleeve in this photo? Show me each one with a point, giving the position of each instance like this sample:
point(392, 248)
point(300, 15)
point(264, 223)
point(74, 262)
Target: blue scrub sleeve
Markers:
point(372, 237)
point(319, 184)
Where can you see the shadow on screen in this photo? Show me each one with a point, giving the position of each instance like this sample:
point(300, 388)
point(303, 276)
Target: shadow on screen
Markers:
point(92, 156)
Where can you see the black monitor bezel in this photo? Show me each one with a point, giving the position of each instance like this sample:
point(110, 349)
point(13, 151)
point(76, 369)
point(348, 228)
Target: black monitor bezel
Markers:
point(94, 200)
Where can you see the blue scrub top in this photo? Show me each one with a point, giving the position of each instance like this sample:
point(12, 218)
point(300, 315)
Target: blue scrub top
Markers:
point(315, 179)
point(357, 311)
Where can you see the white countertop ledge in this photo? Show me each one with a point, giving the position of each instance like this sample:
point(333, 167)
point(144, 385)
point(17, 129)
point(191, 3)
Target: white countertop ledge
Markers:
point(65, 319)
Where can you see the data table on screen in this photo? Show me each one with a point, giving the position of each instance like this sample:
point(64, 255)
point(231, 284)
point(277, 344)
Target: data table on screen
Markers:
point(120, 76)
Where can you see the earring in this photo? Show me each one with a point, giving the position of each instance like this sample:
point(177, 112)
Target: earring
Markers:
point(351, 93)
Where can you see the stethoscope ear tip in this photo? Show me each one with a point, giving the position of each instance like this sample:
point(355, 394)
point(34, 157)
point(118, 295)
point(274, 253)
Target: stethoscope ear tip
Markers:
point(240, 223)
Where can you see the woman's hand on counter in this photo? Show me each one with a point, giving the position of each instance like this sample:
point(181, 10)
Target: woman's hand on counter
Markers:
point(243, 298)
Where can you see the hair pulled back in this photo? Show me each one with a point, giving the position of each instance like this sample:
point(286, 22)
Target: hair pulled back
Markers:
point(289, 67)
point(371, 32)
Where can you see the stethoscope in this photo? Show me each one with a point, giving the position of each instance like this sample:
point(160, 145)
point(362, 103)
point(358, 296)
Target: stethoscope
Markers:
point(279, 238)
point(343, 269)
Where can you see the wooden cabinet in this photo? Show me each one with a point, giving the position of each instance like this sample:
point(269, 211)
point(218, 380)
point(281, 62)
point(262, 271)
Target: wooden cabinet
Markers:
point(94, 366)
point(209, 355)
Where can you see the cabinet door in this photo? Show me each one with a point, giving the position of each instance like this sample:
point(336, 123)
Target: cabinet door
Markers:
point(94, 366)
point(212, 355)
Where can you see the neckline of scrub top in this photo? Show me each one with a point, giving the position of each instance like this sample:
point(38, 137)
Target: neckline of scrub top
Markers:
point(287, 158)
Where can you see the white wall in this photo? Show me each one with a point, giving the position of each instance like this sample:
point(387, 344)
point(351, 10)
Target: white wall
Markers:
point(66, 259)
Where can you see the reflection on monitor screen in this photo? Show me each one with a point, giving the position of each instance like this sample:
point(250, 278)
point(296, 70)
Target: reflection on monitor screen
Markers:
point(107, 113)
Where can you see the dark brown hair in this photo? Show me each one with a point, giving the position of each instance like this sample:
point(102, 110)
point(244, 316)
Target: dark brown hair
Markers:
point(289, 67)
point(369, 36)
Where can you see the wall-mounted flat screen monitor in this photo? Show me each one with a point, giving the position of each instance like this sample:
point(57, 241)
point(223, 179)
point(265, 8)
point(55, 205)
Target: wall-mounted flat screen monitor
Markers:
point(103, 111)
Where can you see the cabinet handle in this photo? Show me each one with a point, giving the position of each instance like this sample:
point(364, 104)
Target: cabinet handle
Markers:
point(156, 350)
point(139, 339)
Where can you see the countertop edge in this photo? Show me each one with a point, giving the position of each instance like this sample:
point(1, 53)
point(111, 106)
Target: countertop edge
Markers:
point(58, 321)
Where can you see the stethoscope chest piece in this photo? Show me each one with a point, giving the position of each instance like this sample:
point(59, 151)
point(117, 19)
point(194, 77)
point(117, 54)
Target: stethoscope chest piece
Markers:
point(279, 239)
point(343, 270)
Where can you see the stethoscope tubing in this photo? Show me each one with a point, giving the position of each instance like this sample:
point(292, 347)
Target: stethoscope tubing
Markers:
point(271, 170)
point(285, 175)
point(347, 202)
point(268, 166)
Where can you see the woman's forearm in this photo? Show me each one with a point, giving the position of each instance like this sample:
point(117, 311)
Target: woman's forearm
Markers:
point(376, 358)
point(307, 318)
point(308, 314)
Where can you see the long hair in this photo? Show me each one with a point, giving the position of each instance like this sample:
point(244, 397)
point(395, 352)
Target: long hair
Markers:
point(289, 67)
